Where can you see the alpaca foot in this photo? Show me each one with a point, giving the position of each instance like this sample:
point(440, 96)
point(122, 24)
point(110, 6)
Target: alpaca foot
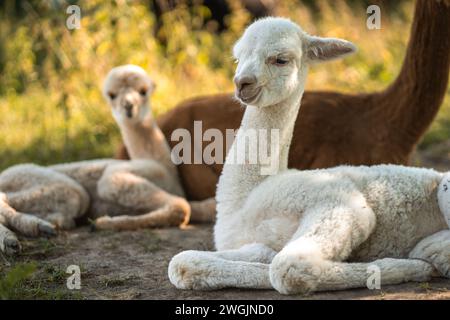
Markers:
point(9, 243)
point(102, 223)
point(186, 273)
point(33, 226)
point(293, 276)
point(47, 229)
point(11, 246)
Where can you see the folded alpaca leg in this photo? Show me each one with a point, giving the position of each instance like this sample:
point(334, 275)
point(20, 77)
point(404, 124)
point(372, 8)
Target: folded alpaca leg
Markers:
point(435, 249)
point(45, 193)
point(303, 276)
point(313, 260)
point(9, 243)
point(294, 272)
point(169, 215)
point(203, 211)
point(42, 200)
point(29, 225)
point(139, 194)
point(26, 224)
point(202, 270)
point(55, 202)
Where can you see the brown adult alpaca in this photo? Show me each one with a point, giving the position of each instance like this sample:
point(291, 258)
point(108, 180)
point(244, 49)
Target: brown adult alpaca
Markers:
point(335, 128)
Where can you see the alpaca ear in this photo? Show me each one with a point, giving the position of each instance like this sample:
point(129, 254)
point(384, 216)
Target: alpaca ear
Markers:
point(325, 49)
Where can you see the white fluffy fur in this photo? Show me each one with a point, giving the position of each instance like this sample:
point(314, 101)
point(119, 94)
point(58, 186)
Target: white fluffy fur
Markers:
point(301, 231)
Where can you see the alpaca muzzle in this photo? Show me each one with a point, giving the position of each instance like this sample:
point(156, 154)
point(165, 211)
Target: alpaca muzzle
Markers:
point(246, 89)
point(128, 110)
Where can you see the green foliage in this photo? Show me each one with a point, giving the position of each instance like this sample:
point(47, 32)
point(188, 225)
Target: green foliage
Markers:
point(50, 77)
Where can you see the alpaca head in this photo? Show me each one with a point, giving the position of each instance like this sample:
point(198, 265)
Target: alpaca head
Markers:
point(273, 56)
point(128, 89)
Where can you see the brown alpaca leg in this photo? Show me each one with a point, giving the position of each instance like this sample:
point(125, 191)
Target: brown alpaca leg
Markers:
point(203, 211)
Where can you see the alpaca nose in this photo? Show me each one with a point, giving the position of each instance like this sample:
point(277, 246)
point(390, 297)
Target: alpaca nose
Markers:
point(128, 106)
point(244, 81)
point(128, 109)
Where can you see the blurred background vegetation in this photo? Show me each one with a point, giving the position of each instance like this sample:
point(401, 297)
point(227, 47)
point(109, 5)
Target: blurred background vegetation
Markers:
point(50, 77)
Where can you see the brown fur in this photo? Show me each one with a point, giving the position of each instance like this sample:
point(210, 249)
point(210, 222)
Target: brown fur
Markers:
point(335, 128)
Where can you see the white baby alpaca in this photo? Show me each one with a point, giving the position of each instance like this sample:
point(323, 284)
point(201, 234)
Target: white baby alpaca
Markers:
point(302, 231)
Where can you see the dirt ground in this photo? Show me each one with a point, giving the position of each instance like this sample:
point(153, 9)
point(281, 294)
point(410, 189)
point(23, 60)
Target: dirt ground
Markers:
point(133, 265)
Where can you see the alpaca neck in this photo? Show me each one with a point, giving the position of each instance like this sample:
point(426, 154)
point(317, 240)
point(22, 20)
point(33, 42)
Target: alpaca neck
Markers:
point(238, 179)
point(420, 87)
point(144, 140)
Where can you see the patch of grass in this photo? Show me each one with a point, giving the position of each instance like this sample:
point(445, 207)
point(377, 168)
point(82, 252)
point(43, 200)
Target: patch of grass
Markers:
point(12, 280)
point(32, 290)
point(36, 281)
point(426, 286)
point(118, 281)
point(54, 274)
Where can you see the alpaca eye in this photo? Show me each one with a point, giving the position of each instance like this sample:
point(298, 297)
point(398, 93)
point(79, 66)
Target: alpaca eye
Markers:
point(112, 95)
point(143, 92)
point(281, 61)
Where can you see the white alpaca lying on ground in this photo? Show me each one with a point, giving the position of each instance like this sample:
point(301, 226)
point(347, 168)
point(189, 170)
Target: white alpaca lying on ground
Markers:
point(147, 188)
point(301, 231)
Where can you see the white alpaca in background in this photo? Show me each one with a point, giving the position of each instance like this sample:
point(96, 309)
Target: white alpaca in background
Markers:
point(301, 231)
point(146, 188)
